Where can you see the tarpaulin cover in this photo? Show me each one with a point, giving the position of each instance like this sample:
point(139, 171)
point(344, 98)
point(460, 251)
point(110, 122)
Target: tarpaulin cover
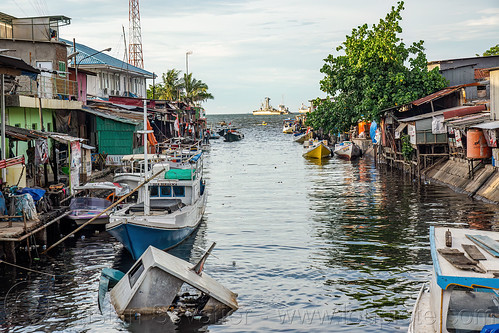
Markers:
point(3, 206)
point(36, 193)
point(372, 131)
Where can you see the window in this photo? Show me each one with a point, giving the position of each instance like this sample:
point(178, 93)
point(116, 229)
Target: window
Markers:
point(62, 69)
point(179, 191)
point(49, 127)
point(153, 191)
point(17, 125)
point(135, 273)
point(33, 126)
point(166, 191)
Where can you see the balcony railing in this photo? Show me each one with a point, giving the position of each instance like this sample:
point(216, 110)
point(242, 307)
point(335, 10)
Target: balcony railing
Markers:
point(47, 86)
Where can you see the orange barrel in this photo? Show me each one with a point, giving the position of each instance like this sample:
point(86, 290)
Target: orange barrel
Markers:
point(476, 145)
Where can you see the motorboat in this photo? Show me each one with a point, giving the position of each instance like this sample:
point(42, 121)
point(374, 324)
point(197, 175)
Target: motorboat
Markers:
point(304, 109)
point(169, 209)
point(347, 149)
point(316, 149)
point(233, 135)
point(288, 126)
point(462, 294)
point(94, 198)
point(156, 284)
point(301, 138)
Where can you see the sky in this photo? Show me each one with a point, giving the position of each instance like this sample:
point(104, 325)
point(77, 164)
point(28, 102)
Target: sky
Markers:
point(246, 50)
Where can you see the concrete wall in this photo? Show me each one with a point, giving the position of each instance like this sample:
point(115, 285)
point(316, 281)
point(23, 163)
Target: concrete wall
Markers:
point(31, 52)
point(28, 118)
point(454, 173)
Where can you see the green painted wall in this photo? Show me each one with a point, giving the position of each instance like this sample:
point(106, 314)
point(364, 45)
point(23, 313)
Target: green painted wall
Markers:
point(113, 137)
point(28, 118)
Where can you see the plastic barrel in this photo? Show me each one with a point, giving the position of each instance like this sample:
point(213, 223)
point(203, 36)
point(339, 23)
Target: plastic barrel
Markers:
point(476, 145)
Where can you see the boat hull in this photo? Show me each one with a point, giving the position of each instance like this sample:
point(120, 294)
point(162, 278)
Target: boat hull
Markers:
point(231, 137)
point(304, 137)
point(348, 152)
point(318, 151)
point(137, 233)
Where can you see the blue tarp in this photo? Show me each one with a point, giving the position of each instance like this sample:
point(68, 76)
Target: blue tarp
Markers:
point(36, 193)
point(3, 207)
point(372, 131)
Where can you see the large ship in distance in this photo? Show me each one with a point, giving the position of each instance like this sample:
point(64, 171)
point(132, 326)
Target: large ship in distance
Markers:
point(266, 109)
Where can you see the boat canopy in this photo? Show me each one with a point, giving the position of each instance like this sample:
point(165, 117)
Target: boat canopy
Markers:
point(118, 188)
point(180, 174)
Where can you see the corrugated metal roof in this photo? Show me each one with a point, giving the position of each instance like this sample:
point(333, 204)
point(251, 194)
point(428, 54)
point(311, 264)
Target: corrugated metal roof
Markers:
point(102, 59)
point(489, 125)
point(17, 63)
point(435, 95)
point(469, 121)
point(115, 115)
point(482, 73)
point(422, 116)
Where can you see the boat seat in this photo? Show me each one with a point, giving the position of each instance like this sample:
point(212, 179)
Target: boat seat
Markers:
point(169, 205)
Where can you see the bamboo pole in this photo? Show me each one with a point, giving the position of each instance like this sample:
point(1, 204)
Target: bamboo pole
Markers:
point(104, 211)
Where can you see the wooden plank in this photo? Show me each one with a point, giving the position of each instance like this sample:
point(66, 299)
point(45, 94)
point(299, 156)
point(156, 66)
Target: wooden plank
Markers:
point(486, 243)
point(473, 252)
point(459, 260)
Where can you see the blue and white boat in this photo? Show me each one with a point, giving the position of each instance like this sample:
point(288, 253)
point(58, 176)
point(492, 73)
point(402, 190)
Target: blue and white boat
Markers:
point(462, 295)
point(171, 209)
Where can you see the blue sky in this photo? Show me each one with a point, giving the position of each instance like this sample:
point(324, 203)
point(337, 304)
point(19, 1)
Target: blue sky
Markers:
point(246, 50)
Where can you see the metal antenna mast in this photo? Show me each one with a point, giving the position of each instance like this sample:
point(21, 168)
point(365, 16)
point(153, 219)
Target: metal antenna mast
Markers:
point(135, 56)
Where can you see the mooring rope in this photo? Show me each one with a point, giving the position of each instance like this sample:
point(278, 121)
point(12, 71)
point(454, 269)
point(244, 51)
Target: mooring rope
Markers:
point(27, 269)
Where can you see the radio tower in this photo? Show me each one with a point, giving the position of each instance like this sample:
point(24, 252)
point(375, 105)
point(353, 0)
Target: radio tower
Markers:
point(135, 56)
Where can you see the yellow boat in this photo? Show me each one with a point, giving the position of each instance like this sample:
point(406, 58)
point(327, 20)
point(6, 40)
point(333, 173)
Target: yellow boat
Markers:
point(317, 150)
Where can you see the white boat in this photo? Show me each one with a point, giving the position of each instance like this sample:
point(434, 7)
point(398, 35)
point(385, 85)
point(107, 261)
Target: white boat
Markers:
point(462, 295)
point(303, 109)
point(176, 201)
point(153, 284)
point(347, 149)
point(84, 208)
point(288, 126)
point(266, 109)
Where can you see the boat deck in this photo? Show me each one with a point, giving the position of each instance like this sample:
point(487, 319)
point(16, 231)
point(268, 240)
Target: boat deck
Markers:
point(471, 275)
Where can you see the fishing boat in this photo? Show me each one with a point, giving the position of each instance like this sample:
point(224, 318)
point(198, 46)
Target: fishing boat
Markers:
point(154, 287)
point(347, 149)
point(462, 295)
point(266, 109)
point(92, 199)
point(288, 126)
point(233, 135)
point(302, 138)
point(316, 149)
point(169, 209)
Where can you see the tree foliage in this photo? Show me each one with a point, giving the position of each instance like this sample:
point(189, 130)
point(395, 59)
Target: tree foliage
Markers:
point(376, 71)
point(494, 50)
point(176, 88)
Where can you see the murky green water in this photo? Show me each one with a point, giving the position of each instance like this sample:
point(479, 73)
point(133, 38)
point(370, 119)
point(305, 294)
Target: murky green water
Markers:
point(308, 246)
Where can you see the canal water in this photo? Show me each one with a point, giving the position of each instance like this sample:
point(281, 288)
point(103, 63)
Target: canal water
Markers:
point(329, 246)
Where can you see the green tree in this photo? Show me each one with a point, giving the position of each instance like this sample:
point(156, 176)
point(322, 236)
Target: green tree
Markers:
point(195, 90)
point(171, 89)
point(376, 71)
point(494, 50)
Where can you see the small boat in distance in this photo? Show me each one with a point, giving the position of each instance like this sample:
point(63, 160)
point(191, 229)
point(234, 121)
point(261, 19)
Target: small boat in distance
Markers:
point(266, 109)
point(233, 135)
point(347, 149)
point(462, 295)
point(316, 149)
point(288, 126)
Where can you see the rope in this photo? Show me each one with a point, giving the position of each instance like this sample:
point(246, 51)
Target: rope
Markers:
point(27, 269)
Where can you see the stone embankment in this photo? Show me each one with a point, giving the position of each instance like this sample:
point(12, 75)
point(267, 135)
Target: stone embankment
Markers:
point(455, 173)
point(483, 184)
